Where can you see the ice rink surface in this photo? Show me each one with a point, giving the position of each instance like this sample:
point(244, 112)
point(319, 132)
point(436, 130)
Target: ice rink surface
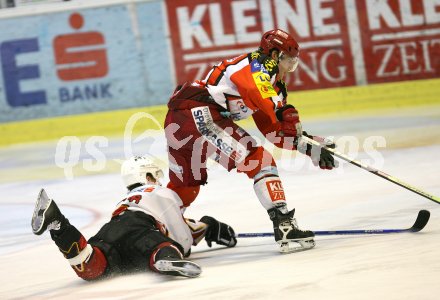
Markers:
point(392, 266)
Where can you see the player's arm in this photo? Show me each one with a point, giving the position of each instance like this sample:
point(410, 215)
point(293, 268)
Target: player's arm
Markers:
point(212, 230)
point(257, 91)
point(283, 134)
point(197, 228)
point(288, 114)
point(320, 157)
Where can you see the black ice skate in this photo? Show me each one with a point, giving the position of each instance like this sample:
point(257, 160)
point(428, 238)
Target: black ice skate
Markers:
point(287, 234)
point(47, 215)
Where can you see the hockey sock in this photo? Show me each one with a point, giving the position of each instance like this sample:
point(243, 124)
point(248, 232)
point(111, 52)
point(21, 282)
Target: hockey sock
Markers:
point(88, 262)
point(270, 192)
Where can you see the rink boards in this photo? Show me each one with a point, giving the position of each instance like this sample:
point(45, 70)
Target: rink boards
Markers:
point(70, 58)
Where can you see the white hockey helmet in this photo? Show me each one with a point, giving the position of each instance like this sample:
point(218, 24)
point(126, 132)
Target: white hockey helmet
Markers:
point(135, 170)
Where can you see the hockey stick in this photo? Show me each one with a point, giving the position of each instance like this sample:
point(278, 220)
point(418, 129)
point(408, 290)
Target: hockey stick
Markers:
point(419, 224)
point(374, 171)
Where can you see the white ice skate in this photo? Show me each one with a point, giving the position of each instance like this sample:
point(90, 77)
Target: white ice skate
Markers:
point(178, 268)
point(46, 214)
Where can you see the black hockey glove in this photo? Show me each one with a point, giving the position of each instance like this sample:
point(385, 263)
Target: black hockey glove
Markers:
point(218, 232)
point(320, 156)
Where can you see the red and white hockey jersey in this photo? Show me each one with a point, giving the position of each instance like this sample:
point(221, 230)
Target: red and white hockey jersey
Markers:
point(242, 85)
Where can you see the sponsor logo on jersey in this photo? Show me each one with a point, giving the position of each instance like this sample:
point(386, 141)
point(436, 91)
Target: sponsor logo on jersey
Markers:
point(239, 110)
point(270, 65)
point(262, 80)
point(263, 84)
point(216, 135)
point(275, 189)
point(255, 66)
point(264, 89)
point(242, 107)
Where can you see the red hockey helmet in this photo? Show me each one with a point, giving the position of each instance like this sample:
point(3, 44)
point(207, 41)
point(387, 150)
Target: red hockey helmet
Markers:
point(281, 40)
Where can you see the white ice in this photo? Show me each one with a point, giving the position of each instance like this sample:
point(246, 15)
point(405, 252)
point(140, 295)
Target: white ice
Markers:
point(392, 266)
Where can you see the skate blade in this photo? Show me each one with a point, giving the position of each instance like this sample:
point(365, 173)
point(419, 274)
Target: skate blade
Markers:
point(42, 204)
point(296, 246)
point(178, 268)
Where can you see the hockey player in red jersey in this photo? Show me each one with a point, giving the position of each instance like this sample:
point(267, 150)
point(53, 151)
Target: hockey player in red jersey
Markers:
point(200, 124)
point(146, 230)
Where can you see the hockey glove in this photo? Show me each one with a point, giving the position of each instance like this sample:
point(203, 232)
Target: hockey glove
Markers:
point(289, 119)
point(219, 232)
point(320, 156)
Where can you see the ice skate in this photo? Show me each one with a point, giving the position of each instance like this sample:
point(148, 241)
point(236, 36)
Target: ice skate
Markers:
point(46, 215)
point(287, 234)
point(168, 260)
point(178, 267)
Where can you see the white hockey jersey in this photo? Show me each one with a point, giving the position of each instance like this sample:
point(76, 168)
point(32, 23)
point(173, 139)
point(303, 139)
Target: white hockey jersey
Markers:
point(164, 206)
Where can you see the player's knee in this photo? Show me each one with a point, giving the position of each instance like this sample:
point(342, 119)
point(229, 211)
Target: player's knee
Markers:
point(107, 261)
point(187, 193)
point(92, 267)
point(255, 161)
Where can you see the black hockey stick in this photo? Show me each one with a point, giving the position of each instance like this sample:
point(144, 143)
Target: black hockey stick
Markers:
point(419, 224)
point(374, 171)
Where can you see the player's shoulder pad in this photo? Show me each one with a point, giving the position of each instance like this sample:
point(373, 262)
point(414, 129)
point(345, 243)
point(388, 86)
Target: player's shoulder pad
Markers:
point(268, 63)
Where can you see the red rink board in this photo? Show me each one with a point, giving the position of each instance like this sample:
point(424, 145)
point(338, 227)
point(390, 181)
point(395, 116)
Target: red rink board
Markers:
point(206, 32)
point(401, 39)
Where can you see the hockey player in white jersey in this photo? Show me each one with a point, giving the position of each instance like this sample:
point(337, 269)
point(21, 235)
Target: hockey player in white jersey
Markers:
point(147, 230)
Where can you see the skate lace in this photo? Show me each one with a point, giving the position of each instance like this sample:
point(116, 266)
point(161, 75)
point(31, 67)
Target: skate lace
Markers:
point(295, 224)
point(55, 225)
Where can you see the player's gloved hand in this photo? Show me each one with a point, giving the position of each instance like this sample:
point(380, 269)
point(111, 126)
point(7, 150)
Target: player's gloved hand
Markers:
point(289, 119)
point(219, 232)
point(320, 156)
